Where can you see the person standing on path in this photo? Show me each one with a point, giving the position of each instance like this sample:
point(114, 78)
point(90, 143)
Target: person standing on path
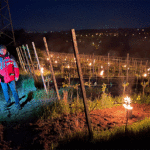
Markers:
point(9, 73)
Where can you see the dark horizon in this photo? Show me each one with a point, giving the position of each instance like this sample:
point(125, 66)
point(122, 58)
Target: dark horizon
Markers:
point(61, 15)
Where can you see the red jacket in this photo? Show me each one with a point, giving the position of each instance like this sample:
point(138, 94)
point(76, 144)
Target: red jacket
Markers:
point(8, 68)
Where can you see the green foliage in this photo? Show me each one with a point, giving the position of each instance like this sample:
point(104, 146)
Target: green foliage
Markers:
point(103, 87)
point(107, 101)
point(28, 83)
point(94, 105)
point(140, 99)
point(41, 94)
point(64, 107)
point(144, 84)
point(77, 106)
point(147, 89)
point(125, 84)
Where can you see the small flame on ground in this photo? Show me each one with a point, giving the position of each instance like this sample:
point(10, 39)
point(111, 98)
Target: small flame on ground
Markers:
point(127, 101)
point(102, 73)
point(42, 69)
point(145, 75)
point(90, 64)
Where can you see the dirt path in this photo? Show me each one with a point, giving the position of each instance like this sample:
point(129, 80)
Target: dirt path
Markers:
point(101, 120)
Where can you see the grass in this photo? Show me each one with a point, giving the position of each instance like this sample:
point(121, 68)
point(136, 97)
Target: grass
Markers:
point(134, 136)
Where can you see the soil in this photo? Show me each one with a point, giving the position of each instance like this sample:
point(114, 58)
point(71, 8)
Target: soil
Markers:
point(41, 134)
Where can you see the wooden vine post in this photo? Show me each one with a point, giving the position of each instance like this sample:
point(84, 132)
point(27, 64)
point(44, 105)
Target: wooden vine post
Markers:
point(20, 59)
point(108, 69)
point(127, 67)
point(39, 66)
point(23, 59)
point(76, 52)
point(51, 67)
point(31, 62)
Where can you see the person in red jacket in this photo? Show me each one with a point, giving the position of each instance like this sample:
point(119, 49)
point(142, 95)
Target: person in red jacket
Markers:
point(9, 73)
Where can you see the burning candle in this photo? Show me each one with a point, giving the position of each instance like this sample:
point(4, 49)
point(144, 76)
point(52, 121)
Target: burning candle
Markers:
point(90, 64)
point(42, 69)
point(144, 75)
point(127, 101)
point(102, 73)
point(128, 108)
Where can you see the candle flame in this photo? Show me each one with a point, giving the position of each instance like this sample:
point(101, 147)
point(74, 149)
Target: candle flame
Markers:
point(90, 64)
point(127, 101)
point(145, 75)
point(42, 69)
point(102, 73)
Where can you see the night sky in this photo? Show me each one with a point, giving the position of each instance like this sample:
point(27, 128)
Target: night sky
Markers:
point(60, 15)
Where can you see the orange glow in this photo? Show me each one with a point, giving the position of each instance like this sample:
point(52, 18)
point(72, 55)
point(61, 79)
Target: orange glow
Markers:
point(144, 75)
point(102, 73)
point(42, 69)
point(90, 64)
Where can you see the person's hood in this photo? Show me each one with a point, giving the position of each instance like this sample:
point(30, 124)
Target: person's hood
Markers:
point(6, 55)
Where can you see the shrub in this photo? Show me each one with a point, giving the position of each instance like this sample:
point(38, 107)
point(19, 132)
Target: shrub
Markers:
point(107, 101)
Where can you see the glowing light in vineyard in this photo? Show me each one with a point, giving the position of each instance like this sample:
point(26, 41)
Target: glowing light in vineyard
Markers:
point(47, 58)
point(101, 66)
point(51, 55)
point(148, 69)
point(127, 101)
point(125, 66)
point(102, 73)
point(144, 75)
point(90, 64)
point(68, 66)
point(42, 69)
point(55, 61)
